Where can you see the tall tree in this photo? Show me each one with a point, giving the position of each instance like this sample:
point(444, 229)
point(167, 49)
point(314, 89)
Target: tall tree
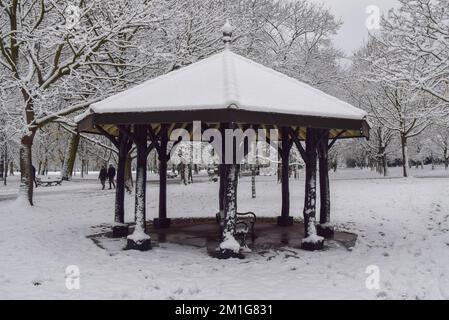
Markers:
point(416, 38)
point(58, 58)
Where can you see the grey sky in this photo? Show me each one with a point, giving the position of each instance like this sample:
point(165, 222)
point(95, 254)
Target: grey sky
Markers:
point(353, 32)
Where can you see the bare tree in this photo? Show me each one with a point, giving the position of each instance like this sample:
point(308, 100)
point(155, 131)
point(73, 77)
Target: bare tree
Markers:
point(416, 37)
point(59, 58)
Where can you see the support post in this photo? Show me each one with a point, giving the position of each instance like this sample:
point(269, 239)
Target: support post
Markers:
point(229, 246)
point(139, 240)
point(311, 240)
point(285, 219)
point(324, 228)
point(120, 229)
point(162, 221)
point(222, 182)
point(222, 170)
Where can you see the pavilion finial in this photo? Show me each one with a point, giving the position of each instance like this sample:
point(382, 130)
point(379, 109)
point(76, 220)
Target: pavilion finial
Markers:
point(227, 33)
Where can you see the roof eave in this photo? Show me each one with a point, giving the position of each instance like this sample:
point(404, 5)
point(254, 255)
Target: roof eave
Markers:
point(88, 123)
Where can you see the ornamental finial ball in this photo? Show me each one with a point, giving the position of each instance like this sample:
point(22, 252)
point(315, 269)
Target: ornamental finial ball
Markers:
point(227, 32)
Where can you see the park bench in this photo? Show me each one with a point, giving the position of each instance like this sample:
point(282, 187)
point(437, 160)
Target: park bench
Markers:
point(171, 174)
point(244, 224)
point(48, 182)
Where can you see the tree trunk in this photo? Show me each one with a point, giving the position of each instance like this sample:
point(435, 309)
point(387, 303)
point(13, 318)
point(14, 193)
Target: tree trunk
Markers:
point(82, 168)
point(324, 229)
point(446, 159)
point(382, 159)
point(182, 172)
point(139, 240)
point(311, 241)
point(26, 168)
point(405, 161)
point(190, 175)
point(385, 164)
point(45, 167)
point(5, 175)
point(279, 170)
point(70, 157)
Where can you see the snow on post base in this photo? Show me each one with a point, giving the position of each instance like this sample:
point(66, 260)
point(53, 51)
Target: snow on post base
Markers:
point(138, 241)
point(229, 243)
point(119, 230)
point(228, 248)
point(325, 230)
point(312, 243)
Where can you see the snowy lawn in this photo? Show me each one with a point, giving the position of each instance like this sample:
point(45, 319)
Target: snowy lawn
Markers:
point(403, 228)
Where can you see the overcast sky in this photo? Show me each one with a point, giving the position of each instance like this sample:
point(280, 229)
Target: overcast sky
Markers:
point(353, 32)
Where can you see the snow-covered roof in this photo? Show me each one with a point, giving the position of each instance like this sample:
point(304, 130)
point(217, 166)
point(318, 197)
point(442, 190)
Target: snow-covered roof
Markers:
point(227, 80)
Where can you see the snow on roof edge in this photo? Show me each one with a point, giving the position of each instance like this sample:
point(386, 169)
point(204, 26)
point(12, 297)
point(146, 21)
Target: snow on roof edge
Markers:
point(283, 75)
point(230, 104)
point(152, 80)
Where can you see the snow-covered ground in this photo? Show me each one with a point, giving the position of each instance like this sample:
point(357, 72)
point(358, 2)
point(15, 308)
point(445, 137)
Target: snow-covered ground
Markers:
point(403, 228)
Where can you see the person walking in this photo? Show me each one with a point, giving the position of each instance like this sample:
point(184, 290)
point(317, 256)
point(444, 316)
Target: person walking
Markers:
point(111, 176)
point(102, 176)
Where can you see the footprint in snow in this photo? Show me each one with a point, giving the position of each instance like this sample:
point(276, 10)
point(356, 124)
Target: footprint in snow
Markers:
point(194, 290)
point(37, 283)
point(178, 291)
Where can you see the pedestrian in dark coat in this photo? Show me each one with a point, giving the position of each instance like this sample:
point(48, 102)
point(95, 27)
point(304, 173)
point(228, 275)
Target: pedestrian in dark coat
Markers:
point(111, 176)
point(102, 176)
